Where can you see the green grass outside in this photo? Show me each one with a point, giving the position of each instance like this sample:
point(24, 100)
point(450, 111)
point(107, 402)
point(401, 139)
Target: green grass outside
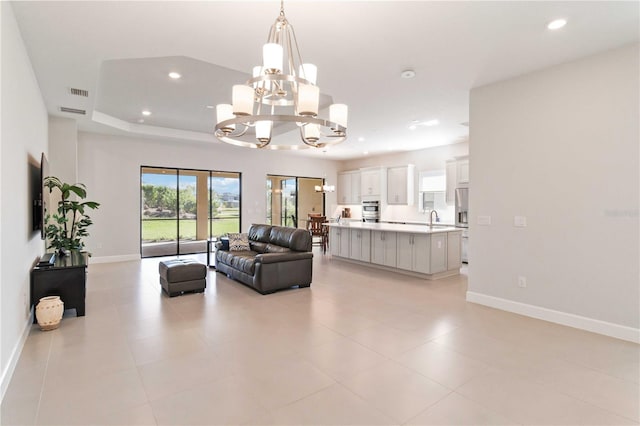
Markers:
point(166, 229)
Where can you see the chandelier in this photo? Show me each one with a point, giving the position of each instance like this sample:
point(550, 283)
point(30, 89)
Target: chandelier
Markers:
point(281, 95)
point(325, 188)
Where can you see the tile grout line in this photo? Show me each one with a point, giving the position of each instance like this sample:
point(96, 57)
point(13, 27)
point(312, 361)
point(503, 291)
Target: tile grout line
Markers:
point(44, 379)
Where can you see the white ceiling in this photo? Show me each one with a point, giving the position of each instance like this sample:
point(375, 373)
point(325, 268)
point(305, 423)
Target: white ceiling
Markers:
point(121, 52)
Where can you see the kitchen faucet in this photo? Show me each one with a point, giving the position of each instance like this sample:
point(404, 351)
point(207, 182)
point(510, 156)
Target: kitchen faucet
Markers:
point(431, 217)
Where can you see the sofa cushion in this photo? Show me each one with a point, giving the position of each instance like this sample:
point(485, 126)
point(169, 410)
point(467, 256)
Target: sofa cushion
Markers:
point(260, 233)
point(257, 246)
point(238, 241)
point(272, 248)
point(241, 260)
point(281, 235)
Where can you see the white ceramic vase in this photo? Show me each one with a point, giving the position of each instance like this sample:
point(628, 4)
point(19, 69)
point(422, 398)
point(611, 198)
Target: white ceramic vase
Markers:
point(49, 312)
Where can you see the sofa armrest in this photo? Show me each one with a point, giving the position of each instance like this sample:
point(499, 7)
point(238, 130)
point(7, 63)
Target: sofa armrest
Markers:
point(219, 246)
point(283, 257)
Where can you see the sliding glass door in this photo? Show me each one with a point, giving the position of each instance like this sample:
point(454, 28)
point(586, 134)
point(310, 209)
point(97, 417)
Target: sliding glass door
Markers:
point(288, 202)
point(183, 210)
point(159, 205)
point(225, 203)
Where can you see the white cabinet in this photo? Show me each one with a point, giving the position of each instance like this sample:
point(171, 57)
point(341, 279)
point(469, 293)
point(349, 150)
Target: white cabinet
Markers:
point(457, 177)
point(355, 188)
point(371, 182)
point(463, 173)
point(451, 179)
point(339, 241)
point(438, 253)
point(454, 250)
point(400, 185)
point(433, 255)
point(349, 187)
point(360, 244)
point(413, 252)
point(344, 188)
point(383, 248)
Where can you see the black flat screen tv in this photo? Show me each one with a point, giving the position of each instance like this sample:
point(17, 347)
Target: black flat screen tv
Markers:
point(41, 198)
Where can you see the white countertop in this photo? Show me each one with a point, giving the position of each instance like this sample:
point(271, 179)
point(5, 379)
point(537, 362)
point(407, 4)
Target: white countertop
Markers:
point(393, 227)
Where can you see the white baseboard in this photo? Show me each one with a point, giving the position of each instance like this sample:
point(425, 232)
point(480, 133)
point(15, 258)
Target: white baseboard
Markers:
point(576, 321)
point(7, 374)
point(112, 259)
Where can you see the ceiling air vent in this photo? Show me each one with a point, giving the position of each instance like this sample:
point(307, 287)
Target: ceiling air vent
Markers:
point(73, 110)
point(79, 92)
point(465, 124)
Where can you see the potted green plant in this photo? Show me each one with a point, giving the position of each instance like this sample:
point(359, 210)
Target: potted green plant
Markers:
point(65, 228)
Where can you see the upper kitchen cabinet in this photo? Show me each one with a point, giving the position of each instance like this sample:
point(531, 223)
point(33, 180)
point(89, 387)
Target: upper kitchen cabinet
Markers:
point(400, 185)
point(451, 182)
point(371, 182)
point(457, 177)
point(463, 173)
point(349, 187)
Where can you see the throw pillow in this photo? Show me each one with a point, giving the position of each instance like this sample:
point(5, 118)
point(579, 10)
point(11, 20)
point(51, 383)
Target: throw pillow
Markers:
point(238, 242)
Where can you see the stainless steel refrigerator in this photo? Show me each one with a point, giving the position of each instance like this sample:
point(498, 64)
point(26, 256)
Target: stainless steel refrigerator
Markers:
point(462, 219)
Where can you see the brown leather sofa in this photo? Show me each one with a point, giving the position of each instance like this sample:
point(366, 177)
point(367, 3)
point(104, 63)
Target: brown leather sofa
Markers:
point(279, 257)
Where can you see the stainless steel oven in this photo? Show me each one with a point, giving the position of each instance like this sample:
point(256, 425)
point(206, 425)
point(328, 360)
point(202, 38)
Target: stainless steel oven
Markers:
point(371, 211)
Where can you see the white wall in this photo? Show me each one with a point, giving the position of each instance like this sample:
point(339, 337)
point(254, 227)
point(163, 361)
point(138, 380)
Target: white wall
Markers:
point(24, 138)
point(110, 168)
point(561, 147)
point(63, 149)
point(425, 160)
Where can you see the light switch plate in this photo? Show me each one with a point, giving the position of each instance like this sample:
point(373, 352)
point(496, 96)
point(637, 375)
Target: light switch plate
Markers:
point(520, 221)
point(484, 220)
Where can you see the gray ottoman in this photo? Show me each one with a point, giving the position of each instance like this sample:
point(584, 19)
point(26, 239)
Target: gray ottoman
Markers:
point(180, 275)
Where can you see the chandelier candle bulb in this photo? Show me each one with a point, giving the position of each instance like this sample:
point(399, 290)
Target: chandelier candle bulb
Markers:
point(272, 57)
point(225, 112)
point(308, 100)
point(263, 131)
point(311, 132)
point(309, 72)
point(242, 99)
point(338, 114)
point(257, 71)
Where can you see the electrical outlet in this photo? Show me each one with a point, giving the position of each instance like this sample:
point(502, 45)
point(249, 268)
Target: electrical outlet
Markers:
point(520, 221)
point(522, 282)
point(484, 220)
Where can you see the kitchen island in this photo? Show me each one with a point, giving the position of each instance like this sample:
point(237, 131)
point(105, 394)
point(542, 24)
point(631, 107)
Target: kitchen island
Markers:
point(417, 250)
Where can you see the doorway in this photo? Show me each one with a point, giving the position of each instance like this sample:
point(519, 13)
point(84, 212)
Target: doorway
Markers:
point(290, 200)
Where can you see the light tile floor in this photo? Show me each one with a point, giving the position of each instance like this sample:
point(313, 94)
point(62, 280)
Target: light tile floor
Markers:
point(361, 346)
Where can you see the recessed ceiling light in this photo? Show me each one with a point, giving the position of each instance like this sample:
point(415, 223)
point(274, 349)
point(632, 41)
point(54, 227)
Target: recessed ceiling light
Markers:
point(408, 74)
point(146, 112)
point(431, 123)
point(558, 23)
point(210, 106)
point(413, 127)
point(174, 75)
point(366, 153)
point(360, 139)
